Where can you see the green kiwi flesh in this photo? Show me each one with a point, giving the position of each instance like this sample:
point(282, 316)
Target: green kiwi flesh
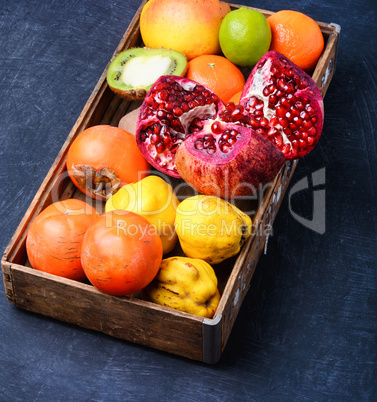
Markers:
point(133, 72)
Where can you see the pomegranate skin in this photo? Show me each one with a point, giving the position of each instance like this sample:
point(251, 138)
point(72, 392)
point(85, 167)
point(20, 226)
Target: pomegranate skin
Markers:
point(254, 164)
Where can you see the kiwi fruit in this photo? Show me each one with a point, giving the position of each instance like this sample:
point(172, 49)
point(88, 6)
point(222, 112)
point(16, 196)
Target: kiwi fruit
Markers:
point(133, 72)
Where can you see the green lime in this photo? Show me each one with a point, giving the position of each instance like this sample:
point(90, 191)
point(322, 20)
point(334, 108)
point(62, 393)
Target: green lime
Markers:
point(245, 36)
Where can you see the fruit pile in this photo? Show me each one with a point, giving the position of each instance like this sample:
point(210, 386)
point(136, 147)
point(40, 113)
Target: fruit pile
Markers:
point(201, 120)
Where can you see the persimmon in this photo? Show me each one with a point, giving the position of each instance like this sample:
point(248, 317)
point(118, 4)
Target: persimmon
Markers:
point(104, 158)
point(121, 253)
point(53, 243)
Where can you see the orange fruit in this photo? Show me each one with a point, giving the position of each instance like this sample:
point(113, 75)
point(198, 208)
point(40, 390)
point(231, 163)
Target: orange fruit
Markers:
point(218, 74)
point(187, 26)
point(235, 98)
point(296, 36)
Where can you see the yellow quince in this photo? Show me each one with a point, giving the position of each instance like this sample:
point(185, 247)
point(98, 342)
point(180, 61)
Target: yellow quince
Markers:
point(211, 228)
point(154, 199)
point(185, 284)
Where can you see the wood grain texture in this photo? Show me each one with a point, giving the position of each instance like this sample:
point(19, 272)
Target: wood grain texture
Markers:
point(307, 326)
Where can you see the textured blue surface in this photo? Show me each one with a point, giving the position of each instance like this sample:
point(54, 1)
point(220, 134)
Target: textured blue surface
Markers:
point(307, 329)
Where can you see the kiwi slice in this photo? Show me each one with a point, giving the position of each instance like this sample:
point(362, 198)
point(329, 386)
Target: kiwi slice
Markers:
point(133, 72)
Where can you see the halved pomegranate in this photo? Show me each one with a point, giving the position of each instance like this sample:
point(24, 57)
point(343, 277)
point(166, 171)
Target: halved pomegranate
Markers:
point(281, 102)
point(184, 130)
point(227, 160)
point(173, 109)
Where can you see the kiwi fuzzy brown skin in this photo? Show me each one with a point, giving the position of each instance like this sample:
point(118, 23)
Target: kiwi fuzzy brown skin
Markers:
point(116, 68)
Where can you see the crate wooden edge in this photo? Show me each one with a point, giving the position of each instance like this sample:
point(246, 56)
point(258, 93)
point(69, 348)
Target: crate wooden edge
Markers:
point(216, 331)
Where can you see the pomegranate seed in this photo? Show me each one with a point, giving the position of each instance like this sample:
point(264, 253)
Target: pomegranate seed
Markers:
point(274, 70)
point(304, 115)
point(230, 106)
point(283, 122)
point(155, 138)
point(185, 107)
point(273, 99)
point(289, 72)
point(201, 100)
point(253, 102)
point(294, 112)
point(272, 88)
point(214, 98)
point(310, 140)
point(280, 112)
point(290, 88)
point(161, 114)
point(225, 136)
point(211, 150)
point(272, 132)
point(166, 139)
point(297, 121)
point(199, 144)
point(312, 131)
point(192, 104)
point(163, 94)
point(178, 111)
point(160, 147)
point(274, 121)
point(281, 84)
point(237, 113)
point(309, 108)
point(177, 126)
point(159, 86)
point(188, 97)
point(149, 100)
point(174, 148)
point(286, 148)
point(216, 127)
point(301, 143)
point(264, 122)
point(306, 124)
point(225, 148)
point(278, 140)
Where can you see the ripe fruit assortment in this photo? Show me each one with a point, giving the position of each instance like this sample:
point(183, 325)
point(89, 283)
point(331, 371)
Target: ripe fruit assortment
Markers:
point(184, 130)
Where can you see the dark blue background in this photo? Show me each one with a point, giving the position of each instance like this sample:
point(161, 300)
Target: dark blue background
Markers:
point(307, 329)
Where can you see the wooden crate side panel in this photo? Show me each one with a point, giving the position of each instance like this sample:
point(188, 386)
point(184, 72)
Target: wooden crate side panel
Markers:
point(125, 318)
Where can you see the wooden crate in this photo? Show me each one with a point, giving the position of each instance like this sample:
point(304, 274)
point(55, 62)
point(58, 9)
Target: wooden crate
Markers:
point(131, 318)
